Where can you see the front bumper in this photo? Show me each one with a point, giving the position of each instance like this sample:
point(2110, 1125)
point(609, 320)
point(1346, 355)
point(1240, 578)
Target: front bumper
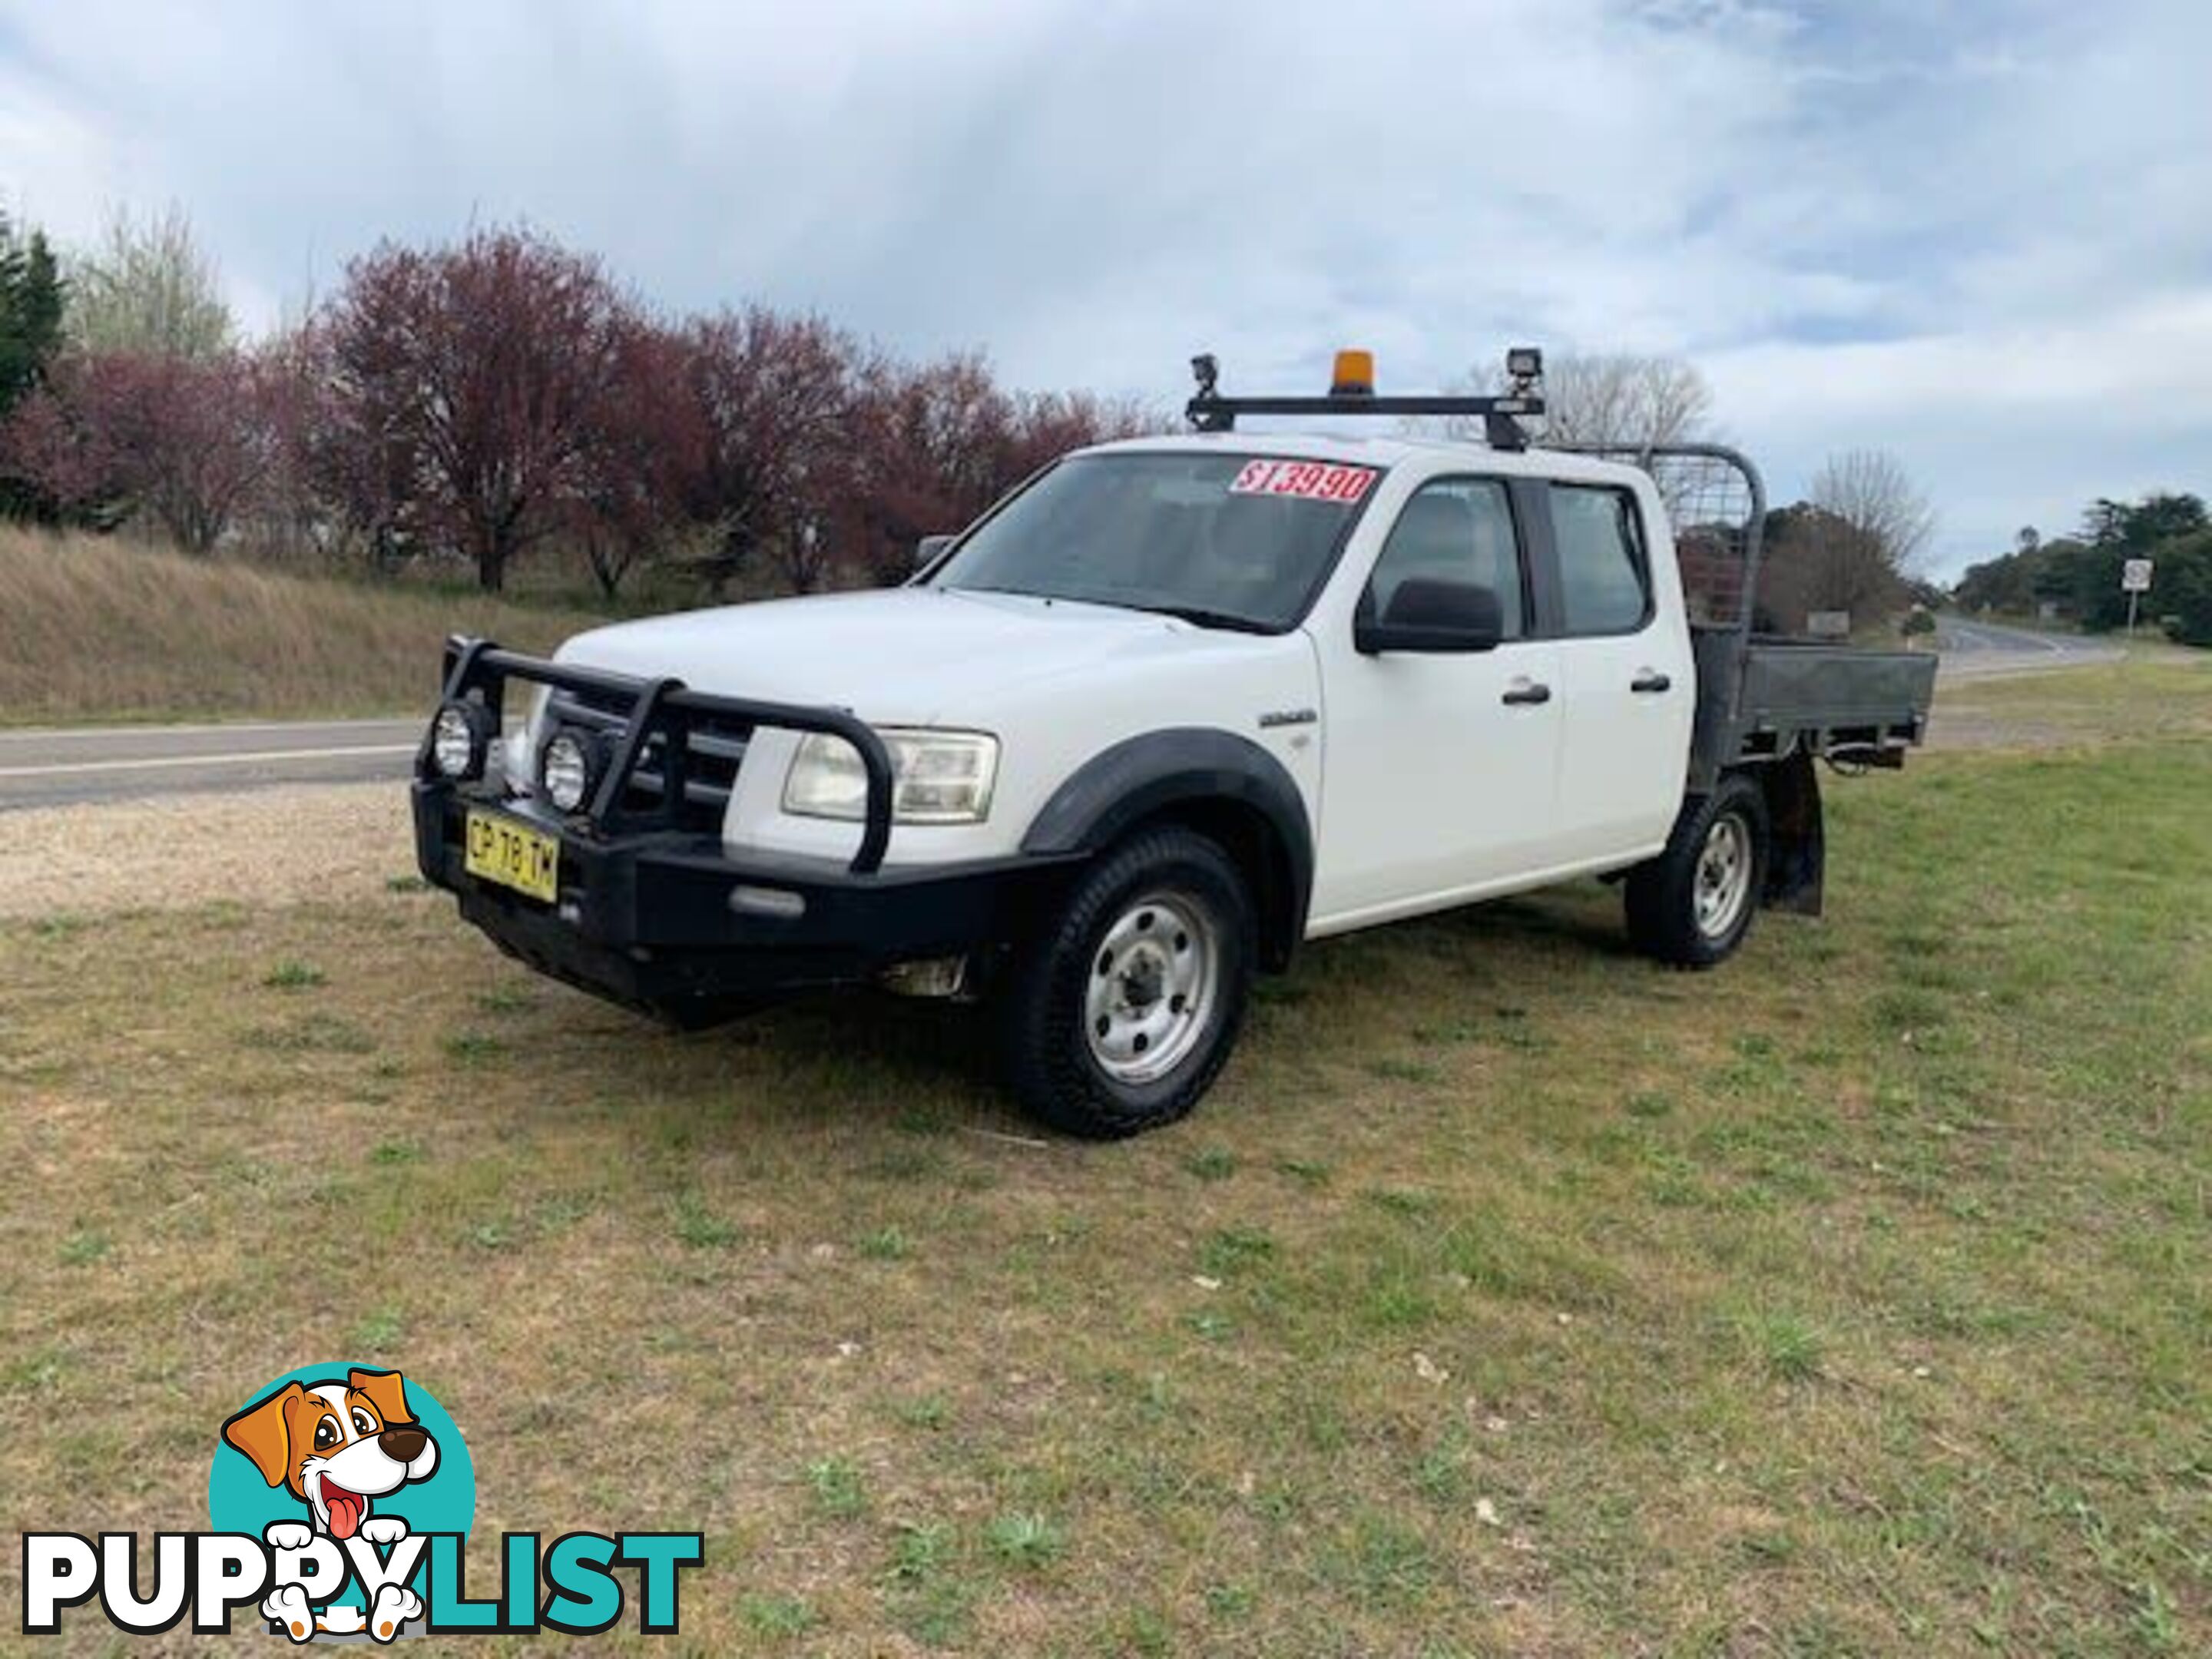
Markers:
point(672, 924)
point(651, 910)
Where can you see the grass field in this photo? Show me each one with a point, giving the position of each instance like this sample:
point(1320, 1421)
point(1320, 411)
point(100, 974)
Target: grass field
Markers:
point(1509, 1296)
point(97, 629)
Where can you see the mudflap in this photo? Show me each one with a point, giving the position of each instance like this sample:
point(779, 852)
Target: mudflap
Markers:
point(1798, 861)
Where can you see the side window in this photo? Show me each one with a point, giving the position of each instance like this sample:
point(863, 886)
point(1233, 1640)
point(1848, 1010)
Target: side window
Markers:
point(1604, 581)
point(1456, 530)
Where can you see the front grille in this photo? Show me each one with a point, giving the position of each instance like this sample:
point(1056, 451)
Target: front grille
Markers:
point(714, 750)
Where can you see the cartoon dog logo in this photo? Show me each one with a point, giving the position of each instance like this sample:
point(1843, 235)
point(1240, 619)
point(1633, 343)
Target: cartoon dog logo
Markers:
point(337, 1446)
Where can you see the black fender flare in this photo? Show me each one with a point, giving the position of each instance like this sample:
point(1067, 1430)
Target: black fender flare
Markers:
point(1210, 777)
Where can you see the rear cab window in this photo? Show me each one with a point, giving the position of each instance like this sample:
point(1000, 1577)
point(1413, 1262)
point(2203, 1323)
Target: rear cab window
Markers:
point(1605, 576)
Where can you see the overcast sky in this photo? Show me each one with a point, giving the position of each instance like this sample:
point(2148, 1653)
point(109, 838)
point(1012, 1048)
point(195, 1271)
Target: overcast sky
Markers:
point(1976, 234)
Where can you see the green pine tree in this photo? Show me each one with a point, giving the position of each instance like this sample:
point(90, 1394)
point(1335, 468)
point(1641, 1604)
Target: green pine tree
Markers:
point(30, 333)
point(30, 311)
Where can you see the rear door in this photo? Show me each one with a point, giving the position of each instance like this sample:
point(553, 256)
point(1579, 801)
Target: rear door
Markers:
point(1627, 684)
point(1438, 768)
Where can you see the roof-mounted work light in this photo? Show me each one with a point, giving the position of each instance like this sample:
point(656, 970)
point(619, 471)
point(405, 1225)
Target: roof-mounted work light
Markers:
point(1352, 392)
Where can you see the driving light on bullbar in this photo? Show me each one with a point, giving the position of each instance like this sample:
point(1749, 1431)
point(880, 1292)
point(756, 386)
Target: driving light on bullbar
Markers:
point(566, 771)
point(459, 738)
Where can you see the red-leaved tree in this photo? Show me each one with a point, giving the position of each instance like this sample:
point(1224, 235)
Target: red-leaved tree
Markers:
point(774, 396)
point(475, 368)
point(50, 450)
point(189, 442)
point(931, 442)
point(207, 444)
point(475, 400)
point(938, 442)
point(644, 448)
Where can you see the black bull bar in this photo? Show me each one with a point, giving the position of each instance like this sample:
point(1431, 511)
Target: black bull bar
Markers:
point(478, 671)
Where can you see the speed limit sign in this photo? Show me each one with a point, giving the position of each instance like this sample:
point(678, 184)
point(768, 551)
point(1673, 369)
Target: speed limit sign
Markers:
point(2135, 576)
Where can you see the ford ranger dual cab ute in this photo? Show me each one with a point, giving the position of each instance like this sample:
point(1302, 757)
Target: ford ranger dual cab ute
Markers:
point(1173, 707)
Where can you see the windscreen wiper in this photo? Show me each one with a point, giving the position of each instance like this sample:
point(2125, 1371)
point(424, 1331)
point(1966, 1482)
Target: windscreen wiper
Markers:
point(1196, 614)
point(1203, 617)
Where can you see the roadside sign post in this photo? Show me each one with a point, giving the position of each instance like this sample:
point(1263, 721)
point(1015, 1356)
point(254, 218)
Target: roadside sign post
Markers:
point(2134, 582)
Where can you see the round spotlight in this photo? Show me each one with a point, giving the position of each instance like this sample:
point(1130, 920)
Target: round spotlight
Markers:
point(567, 770)
point(458, 738)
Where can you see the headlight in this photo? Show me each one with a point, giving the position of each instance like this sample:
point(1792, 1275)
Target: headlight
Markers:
point(458, 738)
point(938, 777)
point(568, 768)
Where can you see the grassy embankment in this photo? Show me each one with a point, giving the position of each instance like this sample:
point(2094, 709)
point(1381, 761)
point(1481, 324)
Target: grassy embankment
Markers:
point(94, 628)
point(1509, 1296)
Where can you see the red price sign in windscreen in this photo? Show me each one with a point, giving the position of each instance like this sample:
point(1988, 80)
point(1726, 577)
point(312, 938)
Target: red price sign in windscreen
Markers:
point(1307, 480)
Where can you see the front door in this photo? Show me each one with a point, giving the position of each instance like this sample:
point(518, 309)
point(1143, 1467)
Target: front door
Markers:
point(1438, 767)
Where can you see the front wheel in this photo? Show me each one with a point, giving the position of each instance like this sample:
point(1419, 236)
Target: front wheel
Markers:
point(1122, 1012)
point(1692, 904)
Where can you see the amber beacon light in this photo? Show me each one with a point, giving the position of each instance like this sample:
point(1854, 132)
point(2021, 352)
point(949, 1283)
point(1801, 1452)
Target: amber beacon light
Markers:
point(1354, 376)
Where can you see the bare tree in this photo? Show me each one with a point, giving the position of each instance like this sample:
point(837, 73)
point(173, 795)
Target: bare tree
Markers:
point(1817, 560)
point(1870, 490)
point(1602, 398)
point(149, 290)
point(1625, 398)
point(1855, 546)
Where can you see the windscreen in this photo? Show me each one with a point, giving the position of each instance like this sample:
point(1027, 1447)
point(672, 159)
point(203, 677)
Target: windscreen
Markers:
point(1227, 541)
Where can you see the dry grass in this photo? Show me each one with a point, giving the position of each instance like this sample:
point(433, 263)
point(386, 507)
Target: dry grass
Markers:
point(1509, 1297)
point(2156, 691)
point(334, 842)
point(93, 628)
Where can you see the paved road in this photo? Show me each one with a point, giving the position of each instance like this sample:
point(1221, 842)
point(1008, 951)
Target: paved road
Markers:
point(1982, 647)
point(57, 766)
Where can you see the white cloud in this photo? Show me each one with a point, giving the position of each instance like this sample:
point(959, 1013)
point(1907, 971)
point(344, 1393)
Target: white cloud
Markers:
point(55, 167)
point(2010, 425)
point(1914, 224)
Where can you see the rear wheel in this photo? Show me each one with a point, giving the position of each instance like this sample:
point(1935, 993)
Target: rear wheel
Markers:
point(1120, 1014)
point(1693, 905)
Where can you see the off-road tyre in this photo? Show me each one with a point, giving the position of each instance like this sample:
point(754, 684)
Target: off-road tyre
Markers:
point(1692, 906)
point(1089, 1008)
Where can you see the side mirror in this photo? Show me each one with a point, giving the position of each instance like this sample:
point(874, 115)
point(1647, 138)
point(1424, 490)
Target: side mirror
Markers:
point(1428, 614)
point(927, 550)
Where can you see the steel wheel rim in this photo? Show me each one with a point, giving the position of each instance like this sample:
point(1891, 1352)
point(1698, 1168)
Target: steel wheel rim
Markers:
point(1153, 982)
point(1723, 878)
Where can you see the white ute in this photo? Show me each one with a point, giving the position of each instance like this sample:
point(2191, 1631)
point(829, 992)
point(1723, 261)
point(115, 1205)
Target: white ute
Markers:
point(1174, 706)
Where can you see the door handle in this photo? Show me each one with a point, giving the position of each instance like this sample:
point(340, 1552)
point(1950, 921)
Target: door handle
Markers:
point(1649, 680)
point(1524, 692)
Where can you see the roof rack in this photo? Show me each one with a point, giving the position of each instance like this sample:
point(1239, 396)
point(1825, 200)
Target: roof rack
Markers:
point(1353, 394)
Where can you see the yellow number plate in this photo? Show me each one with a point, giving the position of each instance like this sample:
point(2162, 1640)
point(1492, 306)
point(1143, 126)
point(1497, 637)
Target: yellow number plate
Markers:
point(514, 855)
